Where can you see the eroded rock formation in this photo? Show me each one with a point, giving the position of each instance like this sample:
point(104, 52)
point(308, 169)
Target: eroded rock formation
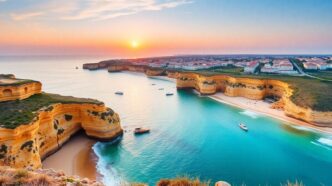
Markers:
point(256, 89)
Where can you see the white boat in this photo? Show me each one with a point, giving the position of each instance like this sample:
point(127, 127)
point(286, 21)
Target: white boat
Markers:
point(169, 94)
point(119, 93)
point(243, 127)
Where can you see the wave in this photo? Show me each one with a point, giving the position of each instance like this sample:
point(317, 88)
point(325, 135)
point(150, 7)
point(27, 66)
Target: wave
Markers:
point(251, 114)
point(324, 142)
point(110, 176)
point(303, 128)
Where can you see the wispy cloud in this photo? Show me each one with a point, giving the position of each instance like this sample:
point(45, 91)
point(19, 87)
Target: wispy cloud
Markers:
point(96, 9)
point(25, 15)
point(108, 9)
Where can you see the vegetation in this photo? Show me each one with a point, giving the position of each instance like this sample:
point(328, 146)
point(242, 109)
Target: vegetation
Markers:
point(308, 92)
point(14, 83)
point(322, 74)
point(182, 181)
point(15, 113)
point(40, 177)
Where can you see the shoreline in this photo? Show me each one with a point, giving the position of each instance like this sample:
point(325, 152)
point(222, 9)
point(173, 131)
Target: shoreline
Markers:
point(258, 106)
point(76, 157)
point(262, 107)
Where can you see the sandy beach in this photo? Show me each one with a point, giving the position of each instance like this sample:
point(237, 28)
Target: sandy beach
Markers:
point(262, 107)
point(76, 157)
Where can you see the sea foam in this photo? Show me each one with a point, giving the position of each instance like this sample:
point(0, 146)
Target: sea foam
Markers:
point(251, 114)
point(325, 141)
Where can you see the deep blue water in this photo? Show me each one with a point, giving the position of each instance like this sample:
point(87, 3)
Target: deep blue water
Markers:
point(190, 135)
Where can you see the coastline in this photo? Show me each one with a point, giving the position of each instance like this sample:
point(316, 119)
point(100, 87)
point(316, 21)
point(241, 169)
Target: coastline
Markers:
point(76, 157)
point(262, 107)
point(258, 106)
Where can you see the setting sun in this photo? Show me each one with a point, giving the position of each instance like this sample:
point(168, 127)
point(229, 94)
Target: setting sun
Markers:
point(134, 44)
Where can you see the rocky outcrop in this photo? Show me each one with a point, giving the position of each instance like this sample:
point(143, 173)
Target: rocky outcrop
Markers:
point(256, 89)
point(17, 89)
point(137, 68)
point(91, 66)
point(42, 177)
point(26, 145)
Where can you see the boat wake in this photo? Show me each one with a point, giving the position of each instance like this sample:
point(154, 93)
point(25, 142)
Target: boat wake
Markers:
point(251, 114)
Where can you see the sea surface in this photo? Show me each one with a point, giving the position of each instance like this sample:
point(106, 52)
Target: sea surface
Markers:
point(190, 135)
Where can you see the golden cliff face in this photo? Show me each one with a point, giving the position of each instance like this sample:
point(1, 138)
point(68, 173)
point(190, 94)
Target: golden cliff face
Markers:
point(26, 145)
point(22, 91)
point(136, 68)
point(256, 89)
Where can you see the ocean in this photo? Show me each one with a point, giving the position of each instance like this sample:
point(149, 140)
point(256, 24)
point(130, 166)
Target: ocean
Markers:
point(190, 135)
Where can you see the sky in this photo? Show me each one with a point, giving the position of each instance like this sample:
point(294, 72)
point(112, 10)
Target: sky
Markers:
point(136, 28)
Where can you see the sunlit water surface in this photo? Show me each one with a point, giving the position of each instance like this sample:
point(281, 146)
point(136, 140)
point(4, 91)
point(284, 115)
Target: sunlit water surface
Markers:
point(190, 135)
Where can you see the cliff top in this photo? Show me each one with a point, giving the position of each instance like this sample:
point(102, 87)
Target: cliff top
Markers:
point(10, 176)
point(9, 79)
point(307, 92)
point(16, 113)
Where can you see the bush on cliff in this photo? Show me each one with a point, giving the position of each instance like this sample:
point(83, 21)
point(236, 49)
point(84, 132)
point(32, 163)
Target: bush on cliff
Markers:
point(182, 181)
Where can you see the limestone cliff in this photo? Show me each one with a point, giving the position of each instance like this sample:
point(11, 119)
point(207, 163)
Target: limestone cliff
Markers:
point(27, 145)
point(253, 89)
point(17, 89)
point(137, 68)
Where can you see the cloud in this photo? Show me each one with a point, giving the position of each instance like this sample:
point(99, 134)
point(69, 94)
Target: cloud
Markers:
point(25, 15)
point(94, 9)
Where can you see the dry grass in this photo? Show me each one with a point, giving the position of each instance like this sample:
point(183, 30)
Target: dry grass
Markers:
point(182, 181)
point(23, 177)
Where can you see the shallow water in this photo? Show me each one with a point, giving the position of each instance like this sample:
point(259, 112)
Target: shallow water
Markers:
point(190, 135)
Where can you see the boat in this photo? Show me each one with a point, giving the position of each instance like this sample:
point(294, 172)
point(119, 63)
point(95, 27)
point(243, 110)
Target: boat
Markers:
point(161, 89)
point(169, 94)
point(141, 131)
point(243, 127)
point(119, 93)
point(153, 84)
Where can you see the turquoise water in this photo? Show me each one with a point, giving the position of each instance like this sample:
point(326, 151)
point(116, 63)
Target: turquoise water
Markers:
point(190, 135)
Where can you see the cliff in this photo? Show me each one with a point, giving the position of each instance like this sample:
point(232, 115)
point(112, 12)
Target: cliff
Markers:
point(256, 89)
point(33, 128)
point(301, 98)
point(42, 177)
point(137, 68)
point(17, 89)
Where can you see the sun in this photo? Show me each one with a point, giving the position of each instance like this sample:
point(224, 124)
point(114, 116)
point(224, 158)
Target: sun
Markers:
point(134, 44)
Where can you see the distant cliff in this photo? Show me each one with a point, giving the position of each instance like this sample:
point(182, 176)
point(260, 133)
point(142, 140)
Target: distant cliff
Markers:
point(256, 89)
point(294, 103)
point(17, 89)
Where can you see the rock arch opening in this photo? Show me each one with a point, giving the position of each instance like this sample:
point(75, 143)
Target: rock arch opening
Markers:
point(7, 92)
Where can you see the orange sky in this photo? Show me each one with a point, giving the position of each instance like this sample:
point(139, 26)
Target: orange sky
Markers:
point(171, 27)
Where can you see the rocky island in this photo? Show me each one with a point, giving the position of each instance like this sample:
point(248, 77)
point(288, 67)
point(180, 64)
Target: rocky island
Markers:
point(34, 124)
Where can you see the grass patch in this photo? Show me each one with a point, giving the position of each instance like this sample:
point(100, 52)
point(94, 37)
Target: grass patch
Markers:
point(15, 113)
point(322, 74)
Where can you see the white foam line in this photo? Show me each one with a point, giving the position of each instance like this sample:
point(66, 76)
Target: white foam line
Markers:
point(321, 145)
